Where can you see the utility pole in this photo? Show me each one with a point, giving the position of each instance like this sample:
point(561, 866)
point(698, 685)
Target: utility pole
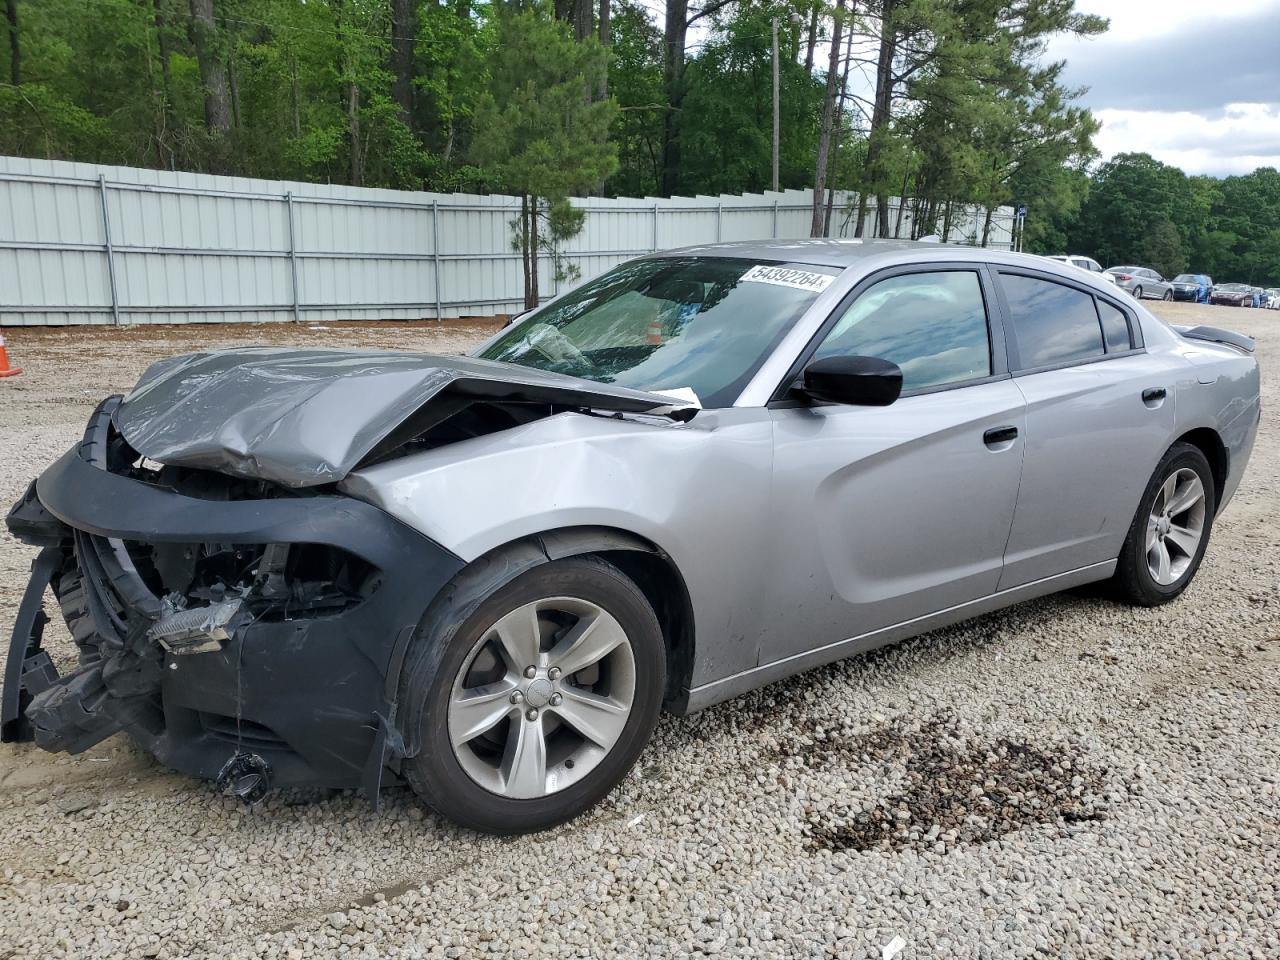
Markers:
point(775, 104)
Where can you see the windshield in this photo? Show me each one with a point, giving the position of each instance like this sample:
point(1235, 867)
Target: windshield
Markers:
point(1186, 278)
point(1234, 287)
point(1122, 270)
point(704, 323)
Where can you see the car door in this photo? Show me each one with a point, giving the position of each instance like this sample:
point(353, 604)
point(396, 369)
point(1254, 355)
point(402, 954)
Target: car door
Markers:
point(1099, 417)
point(883, 514)
point(1159, 285)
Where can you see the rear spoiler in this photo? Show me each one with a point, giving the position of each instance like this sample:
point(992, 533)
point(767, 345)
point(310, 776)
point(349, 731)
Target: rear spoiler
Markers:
point(1218, 335)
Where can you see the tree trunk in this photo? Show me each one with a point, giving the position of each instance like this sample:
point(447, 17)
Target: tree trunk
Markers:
point(673, 39)
point(606, 40)
point(233, 84)
point(213, 71)
point(529, 236)
point(15, 50)
point(835, 149)
point(777, 122)
point(946, 223)
point(166, 84)
point(578, 13)
point(404, 33)
point(293, 89)
point(828, 121)
point(353, 126)
point(811, 42)
point(862, 212)
point(902, 204)
point(986, 227)
point(583, 19)
point(880, 113)
point(350, 96)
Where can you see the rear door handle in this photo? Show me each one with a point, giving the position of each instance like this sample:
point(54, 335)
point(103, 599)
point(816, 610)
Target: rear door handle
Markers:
point(1152, 394)
point(998, 435)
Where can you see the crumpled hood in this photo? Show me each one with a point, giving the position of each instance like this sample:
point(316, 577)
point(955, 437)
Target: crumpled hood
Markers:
point(308, 417)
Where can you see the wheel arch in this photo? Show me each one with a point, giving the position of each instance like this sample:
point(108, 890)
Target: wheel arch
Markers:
point(649, 566)
point(1208, 442)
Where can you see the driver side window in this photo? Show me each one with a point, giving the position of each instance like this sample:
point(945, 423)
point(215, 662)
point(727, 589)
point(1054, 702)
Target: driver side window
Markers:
point(932, 325)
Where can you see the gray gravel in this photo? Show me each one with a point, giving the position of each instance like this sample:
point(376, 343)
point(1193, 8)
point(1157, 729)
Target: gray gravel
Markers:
point(1067, 778)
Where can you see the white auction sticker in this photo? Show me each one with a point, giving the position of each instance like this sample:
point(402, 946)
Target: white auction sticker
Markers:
point(787, 277)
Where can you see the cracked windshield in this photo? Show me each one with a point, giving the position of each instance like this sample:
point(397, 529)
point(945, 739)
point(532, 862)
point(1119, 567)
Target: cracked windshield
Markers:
point(704, 324)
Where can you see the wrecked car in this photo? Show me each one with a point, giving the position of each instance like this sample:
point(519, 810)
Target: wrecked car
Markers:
point(706, 470)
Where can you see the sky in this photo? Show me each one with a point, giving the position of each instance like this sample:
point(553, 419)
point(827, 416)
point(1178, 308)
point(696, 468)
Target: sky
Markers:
point(1199, 91)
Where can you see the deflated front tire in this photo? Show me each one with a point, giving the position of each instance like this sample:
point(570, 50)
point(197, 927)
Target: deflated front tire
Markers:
point(537, 696)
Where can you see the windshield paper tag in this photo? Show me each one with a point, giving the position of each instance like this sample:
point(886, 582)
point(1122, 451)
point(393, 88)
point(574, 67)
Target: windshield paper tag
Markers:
point(786, 277)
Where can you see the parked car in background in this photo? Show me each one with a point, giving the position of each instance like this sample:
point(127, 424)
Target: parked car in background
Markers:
point(1273, 298)
point(1192, 286)
point(1232, 295)
point(1084, 263)
point(1141, 282)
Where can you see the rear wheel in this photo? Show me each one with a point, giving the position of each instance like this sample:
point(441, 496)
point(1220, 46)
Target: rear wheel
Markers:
point(1170, 531)
point(1137, 293)
point(539, 701)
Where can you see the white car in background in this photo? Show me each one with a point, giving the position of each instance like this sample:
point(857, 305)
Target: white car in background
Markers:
point(1084, 263)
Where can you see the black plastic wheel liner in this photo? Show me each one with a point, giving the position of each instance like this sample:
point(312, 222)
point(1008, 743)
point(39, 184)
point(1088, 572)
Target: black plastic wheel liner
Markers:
point(321, 687)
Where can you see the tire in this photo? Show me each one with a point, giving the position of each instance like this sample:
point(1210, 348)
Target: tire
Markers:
point(1168, 295)
point(481, 783)
point(1135, 581)
point(1137, 293)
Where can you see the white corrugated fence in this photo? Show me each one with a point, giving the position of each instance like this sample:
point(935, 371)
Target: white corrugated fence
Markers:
point(82, 243)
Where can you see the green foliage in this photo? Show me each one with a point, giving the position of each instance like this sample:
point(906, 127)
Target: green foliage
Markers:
point(727, 114)
point(1162, 249)
point(541, 131)
point(504, 98)
point(537, 129)
point(1143, 211)
point(635, 80)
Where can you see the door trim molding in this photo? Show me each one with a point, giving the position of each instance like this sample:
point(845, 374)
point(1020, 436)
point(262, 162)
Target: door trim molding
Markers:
point(706, 694)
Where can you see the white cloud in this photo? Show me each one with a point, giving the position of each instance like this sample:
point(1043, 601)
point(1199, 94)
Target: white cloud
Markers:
point(1135, 21)
point(1192, 86)
point(1245, 136)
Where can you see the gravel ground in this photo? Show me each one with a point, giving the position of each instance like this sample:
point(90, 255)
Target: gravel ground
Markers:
point(1068, 778)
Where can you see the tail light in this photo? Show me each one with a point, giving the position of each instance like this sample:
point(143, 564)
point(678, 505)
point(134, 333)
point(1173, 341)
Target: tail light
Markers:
point(1123, 276)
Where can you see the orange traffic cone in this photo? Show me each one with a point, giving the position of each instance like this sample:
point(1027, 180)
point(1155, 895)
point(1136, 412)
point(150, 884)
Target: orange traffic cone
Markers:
point(5, 369)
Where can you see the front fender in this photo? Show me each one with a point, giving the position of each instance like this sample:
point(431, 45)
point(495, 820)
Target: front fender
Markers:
point(696, 491)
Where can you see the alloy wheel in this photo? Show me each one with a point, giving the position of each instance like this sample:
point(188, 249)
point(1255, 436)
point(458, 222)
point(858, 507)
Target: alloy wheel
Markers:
point(1175, 526)
point(542, 697)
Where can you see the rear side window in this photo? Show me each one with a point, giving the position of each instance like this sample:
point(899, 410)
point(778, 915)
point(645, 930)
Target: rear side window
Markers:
point(1115, 327)
point(1052, 323)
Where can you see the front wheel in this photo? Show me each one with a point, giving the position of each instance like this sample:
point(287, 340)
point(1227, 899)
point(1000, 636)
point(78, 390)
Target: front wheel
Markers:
point(1168, 295)
point(536, 701)
point(1170, 531)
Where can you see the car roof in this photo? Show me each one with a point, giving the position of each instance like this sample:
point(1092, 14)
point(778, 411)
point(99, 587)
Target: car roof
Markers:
point(846, 253)
point(820, 251)
point(876, 253)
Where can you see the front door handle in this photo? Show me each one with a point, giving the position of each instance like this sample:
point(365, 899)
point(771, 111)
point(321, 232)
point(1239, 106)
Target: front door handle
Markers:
point(1153, 396)
point(998, 435)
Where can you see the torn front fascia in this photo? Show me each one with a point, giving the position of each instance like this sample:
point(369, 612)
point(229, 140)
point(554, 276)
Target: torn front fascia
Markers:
point(318, 697)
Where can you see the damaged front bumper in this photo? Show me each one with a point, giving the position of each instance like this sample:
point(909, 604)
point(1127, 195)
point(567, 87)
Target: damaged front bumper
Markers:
point(222, 634)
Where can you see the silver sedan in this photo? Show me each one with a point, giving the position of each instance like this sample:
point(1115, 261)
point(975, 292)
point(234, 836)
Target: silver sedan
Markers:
point(1142, 283)
point(704, 471)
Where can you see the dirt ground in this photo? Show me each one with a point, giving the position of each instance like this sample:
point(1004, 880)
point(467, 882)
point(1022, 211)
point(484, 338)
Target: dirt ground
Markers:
point(740, 832)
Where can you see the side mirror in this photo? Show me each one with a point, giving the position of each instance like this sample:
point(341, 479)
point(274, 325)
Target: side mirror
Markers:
point(862, 381)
